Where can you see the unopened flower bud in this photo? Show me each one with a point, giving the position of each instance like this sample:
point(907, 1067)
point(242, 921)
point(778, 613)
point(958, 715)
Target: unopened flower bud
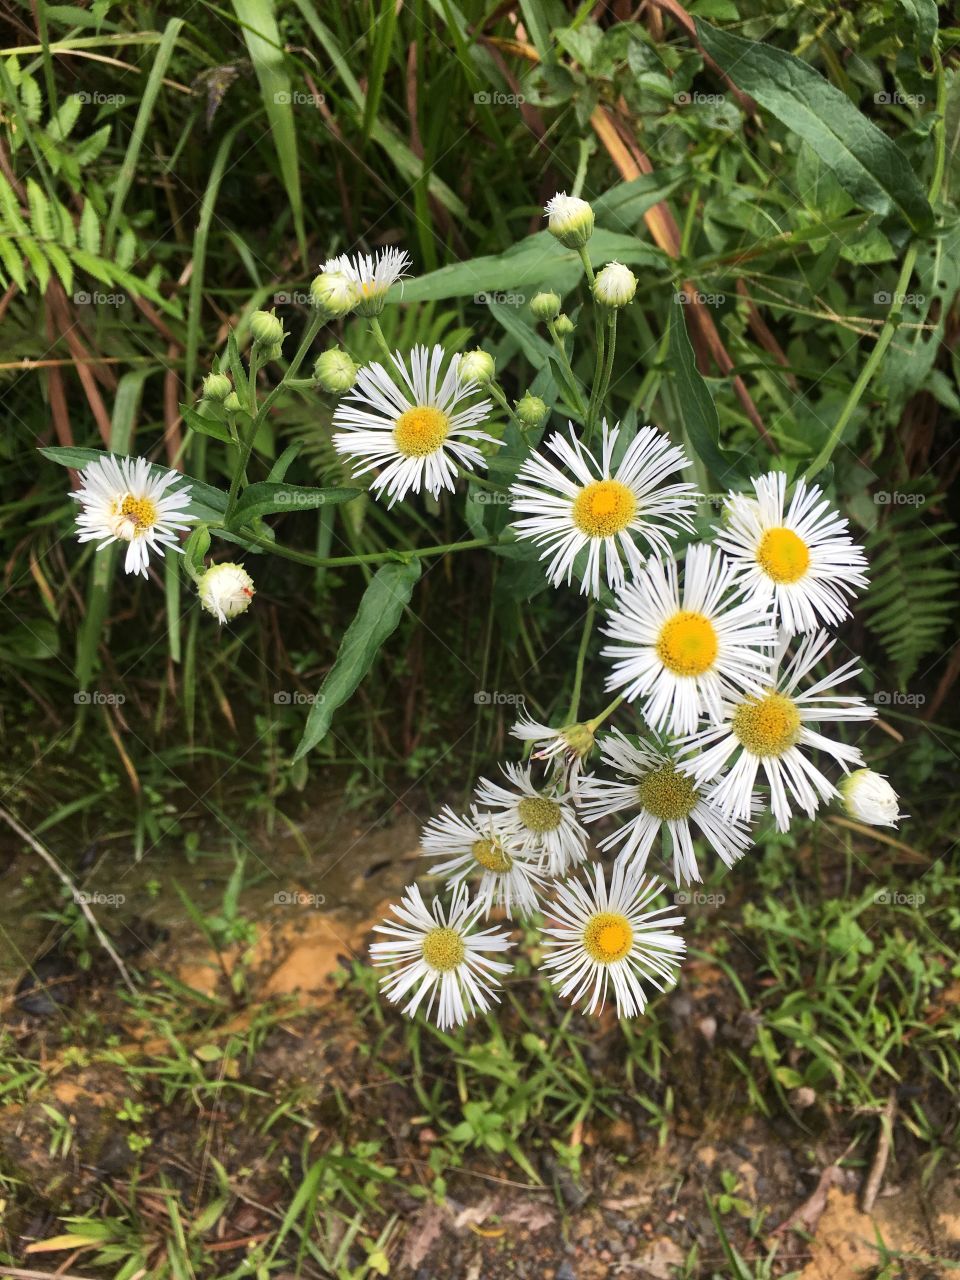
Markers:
point(545, 306)
point(531, 411)
point(216, 386)
point(563, 325)
point(226, 590)
point(266, 329)
point(334, 293)
point(868, 797)
point(478, 366)
point(570, 219)
point(615, 285)
point(232, 403)
point(335, 371)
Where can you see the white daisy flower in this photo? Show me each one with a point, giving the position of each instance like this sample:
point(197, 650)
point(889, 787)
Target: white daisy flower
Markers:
point(771, 730)
point(477, 843)
point(372, 274)
point(566, 748)
point(570, 219)
point(869, 797)
point(438, 954)
point(804, 560)
point(411, 428)
point(600, 510)
point(651, 786)
point(542, 822)
point(681, 654)
point(226, 590)
point(123, 502)
point(606, 938)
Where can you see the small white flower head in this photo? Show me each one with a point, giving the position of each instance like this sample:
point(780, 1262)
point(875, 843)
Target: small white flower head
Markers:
point(372, 274)
point(681, 652)
point(868, 797)
point(334, 293)
point(775, 731)
point(410, 424)
point(226, 591)
point(803, 558)
point(570, 219)
point(478, 366)
point(566, 749)
point(650, 786)
point(439, 954)
point(335, 371)
point(615, 285)
point(123, 502)
point(593, 507)
point(607, 938)
point(479, 844)
point(541, 822)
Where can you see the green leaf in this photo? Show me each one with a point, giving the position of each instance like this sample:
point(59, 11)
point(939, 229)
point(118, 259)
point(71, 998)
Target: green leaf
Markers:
point(866, 162)
point(380, 611)
point(264, 499)
point(696, 405)
point(206, 502)
point(196, 421)
point(923, 17)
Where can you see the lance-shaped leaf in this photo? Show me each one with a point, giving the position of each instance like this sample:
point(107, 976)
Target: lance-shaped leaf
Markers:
point(866, 161)
point(380, 611)
point(266, 499)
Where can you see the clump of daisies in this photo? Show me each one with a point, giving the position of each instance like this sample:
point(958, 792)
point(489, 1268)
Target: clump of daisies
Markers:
point(727, 700)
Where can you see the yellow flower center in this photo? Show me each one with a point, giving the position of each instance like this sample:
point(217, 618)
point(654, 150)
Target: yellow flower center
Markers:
point(687, 644)
point(604, 508)
point(491, 855)
point(607, 937)
point(420, 431)
point(134, 516)
point(783, 555)
point(443, 949)
point(767, 726)
point(539, 814)
point(667, 794)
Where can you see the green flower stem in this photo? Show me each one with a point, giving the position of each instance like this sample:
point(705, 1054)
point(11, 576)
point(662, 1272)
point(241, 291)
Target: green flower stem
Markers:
point(313, 328)
point(595, 723)
point(371, 557)
point(893, 319)
point(581, 658)
point(585, 259)
point(608, 371)
point(597, 378)
point(381, 340)
point(504, 404)
point(573, 390)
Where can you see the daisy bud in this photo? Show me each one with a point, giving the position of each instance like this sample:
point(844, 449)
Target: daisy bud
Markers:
point(226, 591)
point(232, 403)
point(545, 306)
point(869, 797)
point(531, 411)
point(216, 386)
point(615, 285)
point(335, 371)
point(564, 326)
point(266, 329)
point(334, 293)
point(570, 219)
point(478, 366)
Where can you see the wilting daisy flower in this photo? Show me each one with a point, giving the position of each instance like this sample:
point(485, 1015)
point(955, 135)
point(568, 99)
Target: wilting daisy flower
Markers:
point(599, 510)
point(771, 729)
point(869, 797)
point(123, 502)
point(542, 822)
point(570, 219)
point(606, 938)
point(805, 560)
point(476, 843)
point(438, 954)
point(373, 274)
point(566, 748)
point(226, 590)
point(651, 787)
point(411, 427)
point(681, 653)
